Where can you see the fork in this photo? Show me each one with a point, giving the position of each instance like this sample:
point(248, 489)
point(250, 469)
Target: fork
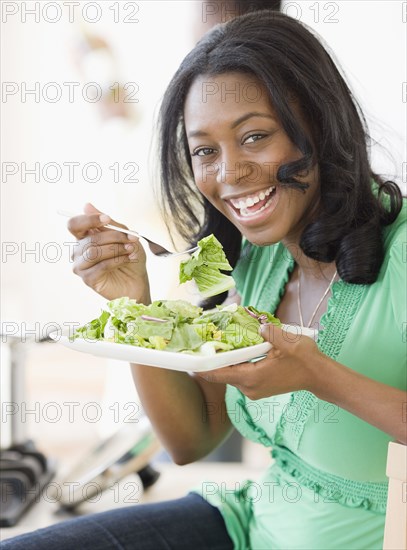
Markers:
point(155, 248)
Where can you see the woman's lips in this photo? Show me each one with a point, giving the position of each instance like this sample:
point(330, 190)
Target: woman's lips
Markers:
point(252, 198)
point(257, 213)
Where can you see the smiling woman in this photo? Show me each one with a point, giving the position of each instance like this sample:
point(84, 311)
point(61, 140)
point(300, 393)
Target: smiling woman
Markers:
point(263, 145)
point(237, 154)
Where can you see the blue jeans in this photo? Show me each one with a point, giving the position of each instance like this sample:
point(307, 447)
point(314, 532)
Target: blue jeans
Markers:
point(185, 523)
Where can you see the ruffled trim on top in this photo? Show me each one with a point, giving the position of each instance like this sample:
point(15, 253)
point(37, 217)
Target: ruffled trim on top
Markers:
point(336, 321)
point(270, 296)
point(241, 418)
point(354, 494)
point(283, 266)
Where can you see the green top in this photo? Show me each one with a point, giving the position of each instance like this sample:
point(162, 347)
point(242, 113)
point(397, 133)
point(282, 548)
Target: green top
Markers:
point(327, 487)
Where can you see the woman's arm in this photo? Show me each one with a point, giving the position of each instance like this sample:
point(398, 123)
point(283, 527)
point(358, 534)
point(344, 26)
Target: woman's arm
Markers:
point(378, 404)
point(299, 365)
point(187, 413)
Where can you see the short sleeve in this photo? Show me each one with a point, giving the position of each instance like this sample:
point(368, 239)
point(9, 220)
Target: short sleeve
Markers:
point(395, 268)
point(396, 275)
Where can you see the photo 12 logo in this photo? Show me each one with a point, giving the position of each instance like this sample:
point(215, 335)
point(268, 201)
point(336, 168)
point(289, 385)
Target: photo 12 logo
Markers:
point(72, 492)
point(55, 12)
point(53, 252)
point(71, 412)
point(69, 92)
point(216, 12)
point(68, 172)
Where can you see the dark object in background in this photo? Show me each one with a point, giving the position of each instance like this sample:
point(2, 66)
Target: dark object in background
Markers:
point(255, 5)
point(242, 6)
point(24, 473)
point(212, 12)
point(127, 451)
point(24, 470)
point(148, 476)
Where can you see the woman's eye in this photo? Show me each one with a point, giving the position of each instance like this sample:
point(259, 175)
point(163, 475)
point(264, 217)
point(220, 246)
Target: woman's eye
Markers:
point(253, 138)
point(202, 152)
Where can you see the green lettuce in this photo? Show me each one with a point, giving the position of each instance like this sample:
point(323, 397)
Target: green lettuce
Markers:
point(94, 330)
point(204, 267)
point(176, 325)
point(236, 326)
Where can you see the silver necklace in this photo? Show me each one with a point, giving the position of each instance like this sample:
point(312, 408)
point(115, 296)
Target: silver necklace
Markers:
point(318, 304)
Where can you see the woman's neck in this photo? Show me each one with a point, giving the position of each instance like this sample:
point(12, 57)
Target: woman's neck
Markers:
point(310, 268)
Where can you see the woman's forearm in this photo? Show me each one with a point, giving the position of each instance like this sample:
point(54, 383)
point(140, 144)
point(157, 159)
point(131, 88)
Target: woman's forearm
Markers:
point(188, 415)
point(378, 404)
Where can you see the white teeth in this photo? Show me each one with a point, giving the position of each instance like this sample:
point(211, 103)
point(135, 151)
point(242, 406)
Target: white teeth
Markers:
point(247, 213)
point(251, 200)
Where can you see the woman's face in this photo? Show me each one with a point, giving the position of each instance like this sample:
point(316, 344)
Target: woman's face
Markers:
point(237, 145)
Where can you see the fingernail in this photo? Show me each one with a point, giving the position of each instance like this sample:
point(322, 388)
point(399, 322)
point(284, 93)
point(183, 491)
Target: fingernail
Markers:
point(132, 237)
point(264, 328)
point(104, 218)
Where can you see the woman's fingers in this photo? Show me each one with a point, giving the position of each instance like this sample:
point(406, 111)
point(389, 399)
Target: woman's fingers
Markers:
point(111, 262)
point(94, 274)
point(83, 224)
point(105, 244)
point(91, 222)
point(89, 208)
point(108, 236)
point(89, 253)
point(100, 249)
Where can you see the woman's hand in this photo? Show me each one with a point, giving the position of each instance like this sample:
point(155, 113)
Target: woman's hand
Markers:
point(110, 262)
point(288, 366)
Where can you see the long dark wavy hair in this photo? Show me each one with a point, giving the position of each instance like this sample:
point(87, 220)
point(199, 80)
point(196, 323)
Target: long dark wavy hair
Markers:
point(290, 61)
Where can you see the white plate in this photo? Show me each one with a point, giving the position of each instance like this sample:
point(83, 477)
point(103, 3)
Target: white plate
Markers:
point(168, 359)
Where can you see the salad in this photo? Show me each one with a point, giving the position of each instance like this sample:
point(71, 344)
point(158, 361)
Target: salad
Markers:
point(177, 325)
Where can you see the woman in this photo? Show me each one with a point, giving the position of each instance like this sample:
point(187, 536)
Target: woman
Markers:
point(261, 139)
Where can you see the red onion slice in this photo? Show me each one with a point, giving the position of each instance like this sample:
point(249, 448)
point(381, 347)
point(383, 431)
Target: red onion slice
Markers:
point(260, 318)
point(251, 313)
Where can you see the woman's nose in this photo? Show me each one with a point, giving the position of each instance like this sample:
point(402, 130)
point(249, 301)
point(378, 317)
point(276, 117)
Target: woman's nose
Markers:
point(228, 172)
point(232, 171)
point(228, 169)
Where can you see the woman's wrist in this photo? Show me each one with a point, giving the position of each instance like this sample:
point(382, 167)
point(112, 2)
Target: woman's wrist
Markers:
point(330, 378)
point(321, 373)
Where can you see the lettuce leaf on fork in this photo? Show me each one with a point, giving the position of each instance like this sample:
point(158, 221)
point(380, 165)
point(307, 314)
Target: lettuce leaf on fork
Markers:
point(204, 267)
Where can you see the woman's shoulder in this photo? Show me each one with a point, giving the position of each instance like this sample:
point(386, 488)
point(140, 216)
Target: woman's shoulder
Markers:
point(395, 246)
point(393, 273)
point(396, 232)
